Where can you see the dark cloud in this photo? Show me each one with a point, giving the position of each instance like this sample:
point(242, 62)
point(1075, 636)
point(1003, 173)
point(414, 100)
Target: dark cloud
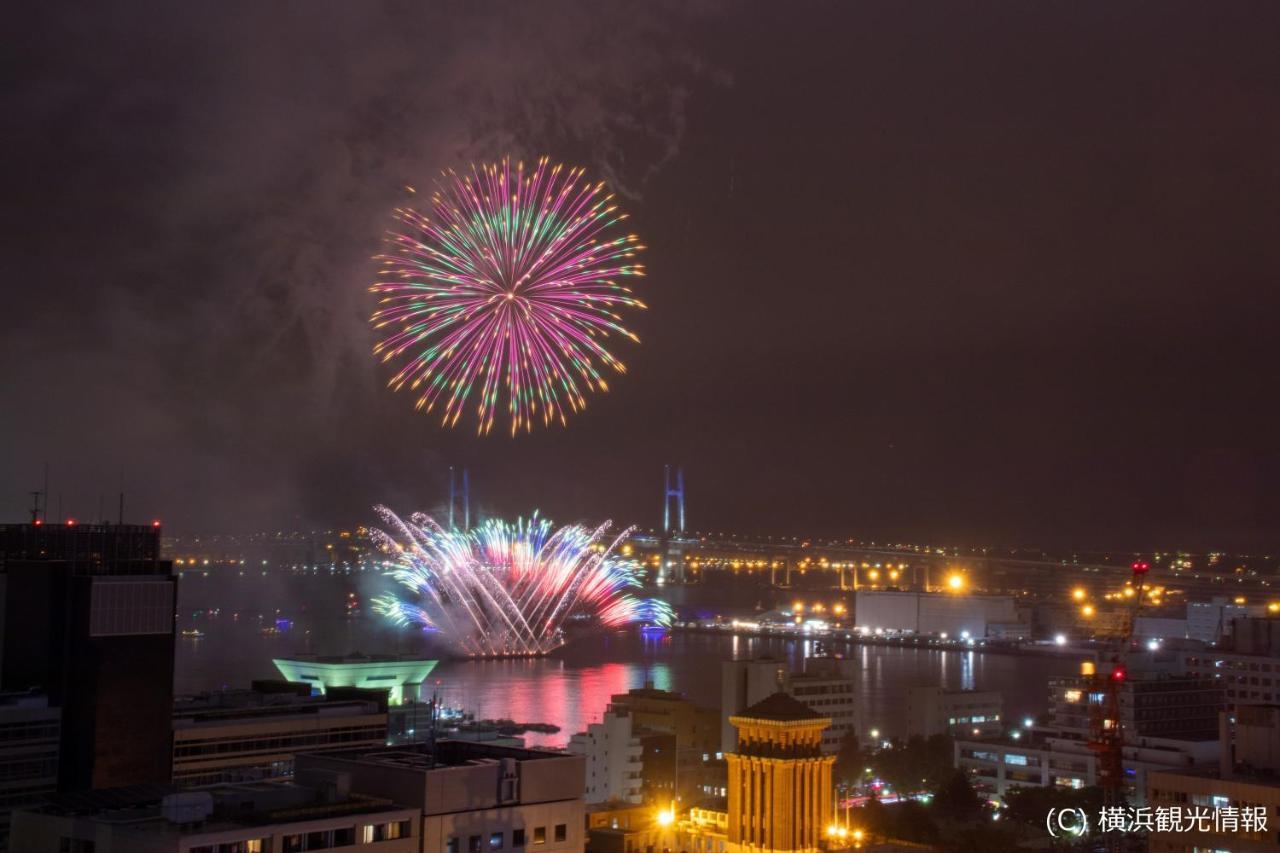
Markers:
point(992, 273)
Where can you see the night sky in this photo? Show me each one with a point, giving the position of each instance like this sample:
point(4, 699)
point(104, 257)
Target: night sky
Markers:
point(993, 273)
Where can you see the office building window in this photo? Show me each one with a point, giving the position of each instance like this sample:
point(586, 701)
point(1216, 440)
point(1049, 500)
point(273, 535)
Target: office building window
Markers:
point(562, 832)
point(451, 846)
point(495, 841)
point(517, 838)
point(539, 835)
point(473, 844)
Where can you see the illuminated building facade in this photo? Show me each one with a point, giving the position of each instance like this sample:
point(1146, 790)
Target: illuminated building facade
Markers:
point(400, 677)
point(779, 780)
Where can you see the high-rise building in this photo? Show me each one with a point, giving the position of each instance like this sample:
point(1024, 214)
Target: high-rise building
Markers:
point(613, 759)
point(88, 618)
point(780, 795)
point(253, 735)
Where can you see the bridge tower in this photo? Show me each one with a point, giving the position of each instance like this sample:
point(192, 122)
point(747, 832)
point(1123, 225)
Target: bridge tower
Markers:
point(668, 494)
point(673, 553)
point(465, 497)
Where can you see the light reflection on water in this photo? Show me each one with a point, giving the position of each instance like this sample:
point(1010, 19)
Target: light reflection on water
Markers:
point(572, 688)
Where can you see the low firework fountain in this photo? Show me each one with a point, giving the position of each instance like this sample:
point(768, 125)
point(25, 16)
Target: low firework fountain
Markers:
point(506, 589)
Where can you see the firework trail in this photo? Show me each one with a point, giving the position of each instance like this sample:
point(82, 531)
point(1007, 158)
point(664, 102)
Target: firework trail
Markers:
point(507, 589)
point(506, 294)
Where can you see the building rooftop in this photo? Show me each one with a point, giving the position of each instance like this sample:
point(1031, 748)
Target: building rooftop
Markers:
point(446, 753)
point(147, 809)
point(221, 706)
point(782, 708)
point(356, 658)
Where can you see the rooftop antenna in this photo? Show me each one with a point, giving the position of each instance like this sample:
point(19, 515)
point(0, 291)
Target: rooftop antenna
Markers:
point(120, 517)
point(35, 507)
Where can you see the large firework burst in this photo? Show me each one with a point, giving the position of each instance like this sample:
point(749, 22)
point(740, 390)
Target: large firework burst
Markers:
point(507, 589)
point(506, 292)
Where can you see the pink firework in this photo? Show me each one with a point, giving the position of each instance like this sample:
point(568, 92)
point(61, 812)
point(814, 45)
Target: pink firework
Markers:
point(506, 292)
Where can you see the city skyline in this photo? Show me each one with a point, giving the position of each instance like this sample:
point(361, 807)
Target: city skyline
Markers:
point(677, 427)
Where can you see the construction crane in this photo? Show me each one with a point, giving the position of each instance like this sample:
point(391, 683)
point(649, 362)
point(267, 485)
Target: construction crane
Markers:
point(1106, 736)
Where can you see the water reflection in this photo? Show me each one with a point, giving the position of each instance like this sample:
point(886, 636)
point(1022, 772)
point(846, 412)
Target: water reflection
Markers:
point(572, 688)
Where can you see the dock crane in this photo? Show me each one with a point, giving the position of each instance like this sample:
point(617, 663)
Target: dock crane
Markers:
point(1106, 735)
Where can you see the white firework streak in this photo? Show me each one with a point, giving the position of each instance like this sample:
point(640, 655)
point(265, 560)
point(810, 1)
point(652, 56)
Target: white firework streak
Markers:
point(506, 589)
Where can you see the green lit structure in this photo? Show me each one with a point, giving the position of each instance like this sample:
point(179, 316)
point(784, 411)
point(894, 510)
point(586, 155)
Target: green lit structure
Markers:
point(376, 672)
